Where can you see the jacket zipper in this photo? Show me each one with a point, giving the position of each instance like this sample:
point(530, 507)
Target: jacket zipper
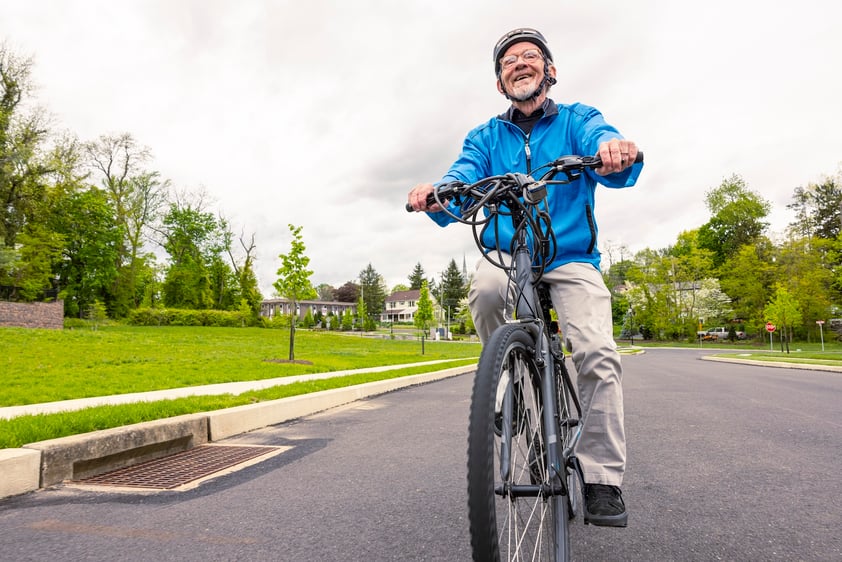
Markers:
point(528, 155)
point(591, 227)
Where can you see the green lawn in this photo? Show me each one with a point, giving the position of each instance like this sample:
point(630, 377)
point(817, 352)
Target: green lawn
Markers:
point(806, 357)
point(48, 365)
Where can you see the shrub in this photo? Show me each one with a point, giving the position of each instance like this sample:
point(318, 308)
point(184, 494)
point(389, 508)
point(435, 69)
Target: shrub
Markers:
point(279, 321)
point(186, 317)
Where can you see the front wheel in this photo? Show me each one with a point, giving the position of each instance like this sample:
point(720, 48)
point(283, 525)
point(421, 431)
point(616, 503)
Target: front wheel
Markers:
point(511, 509)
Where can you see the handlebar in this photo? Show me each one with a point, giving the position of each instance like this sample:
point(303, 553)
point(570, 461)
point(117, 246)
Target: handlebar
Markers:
point(570, 166)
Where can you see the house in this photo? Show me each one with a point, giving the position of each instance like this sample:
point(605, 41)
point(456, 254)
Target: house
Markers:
point(401, 306)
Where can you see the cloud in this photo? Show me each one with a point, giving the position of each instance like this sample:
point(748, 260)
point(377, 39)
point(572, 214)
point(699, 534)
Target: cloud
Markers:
point(324, 114)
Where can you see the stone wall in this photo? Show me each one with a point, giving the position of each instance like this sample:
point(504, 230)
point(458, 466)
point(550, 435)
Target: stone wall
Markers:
point(32, 314)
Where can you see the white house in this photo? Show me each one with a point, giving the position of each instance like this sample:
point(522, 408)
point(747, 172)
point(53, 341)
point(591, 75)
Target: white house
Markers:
point(401, 306)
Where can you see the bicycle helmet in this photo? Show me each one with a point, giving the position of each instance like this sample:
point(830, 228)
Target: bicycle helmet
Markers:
point(516, 36)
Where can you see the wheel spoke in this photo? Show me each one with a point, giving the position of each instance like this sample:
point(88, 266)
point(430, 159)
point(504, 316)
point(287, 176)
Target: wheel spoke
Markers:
point(522, 520)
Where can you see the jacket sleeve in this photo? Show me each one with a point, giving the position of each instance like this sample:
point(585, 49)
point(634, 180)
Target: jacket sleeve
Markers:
point(471, 165)
point(593, 132)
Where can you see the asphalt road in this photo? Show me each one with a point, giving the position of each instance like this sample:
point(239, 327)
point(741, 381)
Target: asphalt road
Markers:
point(726, 462)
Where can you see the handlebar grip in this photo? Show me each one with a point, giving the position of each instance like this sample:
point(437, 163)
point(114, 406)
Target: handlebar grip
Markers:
point(431, 198)
point(639, 158)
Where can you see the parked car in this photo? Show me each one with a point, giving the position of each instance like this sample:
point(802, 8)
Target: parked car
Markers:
point(721, 333)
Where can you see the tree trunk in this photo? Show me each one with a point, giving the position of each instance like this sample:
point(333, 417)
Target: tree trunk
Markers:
point(292, 335)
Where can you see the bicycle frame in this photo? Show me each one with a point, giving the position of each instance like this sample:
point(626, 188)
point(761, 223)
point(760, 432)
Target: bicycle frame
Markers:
point(527, 302)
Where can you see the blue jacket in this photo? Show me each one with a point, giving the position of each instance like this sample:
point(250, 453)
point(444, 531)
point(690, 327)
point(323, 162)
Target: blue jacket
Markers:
point(499, 147)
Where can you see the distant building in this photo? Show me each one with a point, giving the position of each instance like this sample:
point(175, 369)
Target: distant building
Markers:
point(401, 306)
point(273, 307)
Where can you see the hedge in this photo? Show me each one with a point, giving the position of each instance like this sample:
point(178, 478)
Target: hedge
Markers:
point(185, 317)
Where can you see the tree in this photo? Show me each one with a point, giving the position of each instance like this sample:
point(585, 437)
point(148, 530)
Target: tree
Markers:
point(326, 292)
point(294, 281)
point(88, 266)
point(138, 196)
point(651, 297)
point(349, 292)
point(424, 314)
point(373, 293)
point(737, 219)
point(244, 282)
point(747, 278)
point(347, 320)
point(784, 312)
point(29, 247)
point(193, 239)
point(22, 135)
point(466, 320)
point(362, 315)
point(249, 288)
point(808, 280)
point(416, 278)
point(29, 268)
point(688, 268)
point(453, 288)
point(818, 209)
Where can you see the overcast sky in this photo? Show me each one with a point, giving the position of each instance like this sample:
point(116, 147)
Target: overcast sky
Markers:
point(325, 113)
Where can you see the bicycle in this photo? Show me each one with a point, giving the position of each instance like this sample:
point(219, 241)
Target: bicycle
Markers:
point(524, 480)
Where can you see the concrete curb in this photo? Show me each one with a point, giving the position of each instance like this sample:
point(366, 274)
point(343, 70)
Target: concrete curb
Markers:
point(778, 364)
point(46, 463)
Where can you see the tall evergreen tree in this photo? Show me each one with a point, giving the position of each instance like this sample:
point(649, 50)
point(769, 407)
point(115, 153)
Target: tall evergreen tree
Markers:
point(373, 292)
point(453, 288)
point(416, 278)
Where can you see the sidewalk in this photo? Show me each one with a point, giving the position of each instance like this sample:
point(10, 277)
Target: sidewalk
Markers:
point(47, 463)
point(205, 390)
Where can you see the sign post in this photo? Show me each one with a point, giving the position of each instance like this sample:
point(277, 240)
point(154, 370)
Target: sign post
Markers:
point(821, 331)
point(770, 328)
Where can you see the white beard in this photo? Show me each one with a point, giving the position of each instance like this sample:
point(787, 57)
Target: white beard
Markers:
point(524, 92)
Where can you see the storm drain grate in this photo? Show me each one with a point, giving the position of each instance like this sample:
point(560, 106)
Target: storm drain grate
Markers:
point(181, 468)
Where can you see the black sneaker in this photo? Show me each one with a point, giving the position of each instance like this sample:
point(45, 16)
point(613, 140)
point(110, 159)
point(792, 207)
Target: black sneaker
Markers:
point(604, 506)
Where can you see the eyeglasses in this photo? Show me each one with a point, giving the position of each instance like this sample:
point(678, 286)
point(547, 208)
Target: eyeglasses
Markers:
point(529, 56)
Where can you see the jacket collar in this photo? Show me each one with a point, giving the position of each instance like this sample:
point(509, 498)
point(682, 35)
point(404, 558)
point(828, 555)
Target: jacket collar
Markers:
point(549, 107)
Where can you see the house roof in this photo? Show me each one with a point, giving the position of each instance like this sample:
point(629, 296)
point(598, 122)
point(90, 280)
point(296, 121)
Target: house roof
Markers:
point(413, 295)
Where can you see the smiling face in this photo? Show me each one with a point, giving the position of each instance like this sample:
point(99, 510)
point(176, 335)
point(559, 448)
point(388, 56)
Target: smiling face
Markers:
point(522, 72)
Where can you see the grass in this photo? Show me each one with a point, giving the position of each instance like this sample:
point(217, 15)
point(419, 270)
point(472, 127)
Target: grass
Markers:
point(50, 365)
point(796, 356)
point(31, 428)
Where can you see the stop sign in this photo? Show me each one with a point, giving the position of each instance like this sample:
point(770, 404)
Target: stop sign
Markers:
point(770, 327)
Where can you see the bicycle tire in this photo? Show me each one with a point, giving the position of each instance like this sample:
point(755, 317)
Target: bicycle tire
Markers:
point(568, 427)
point(511, 527)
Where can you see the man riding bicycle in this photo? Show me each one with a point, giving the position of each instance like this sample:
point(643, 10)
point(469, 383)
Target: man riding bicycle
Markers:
point(535, 130)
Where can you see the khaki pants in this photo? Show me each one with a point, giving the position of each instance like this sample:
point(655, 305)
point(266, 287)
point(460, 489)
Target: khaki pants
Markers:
point(583, 304)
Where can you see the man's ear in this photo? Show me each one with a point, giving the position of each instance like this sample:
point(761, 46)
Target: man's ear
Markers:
point(500, 87)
